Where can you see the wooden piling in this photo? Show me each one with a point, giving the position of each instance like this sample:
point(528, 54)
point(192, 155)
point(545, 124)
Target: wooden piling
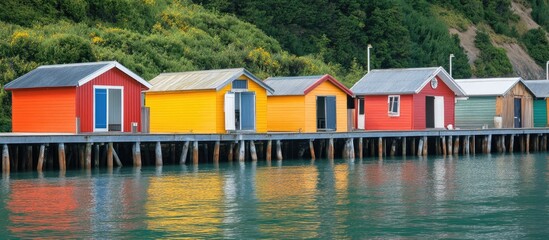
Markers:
point(503, 147)
point(443, 146)
point(404, 146)
point(116, 158)
point(40, 165)
point(413, 146)
point(450, 145)
point(527, 143)
point(216, 152)
point(380, 147)
point(489, 144)
point(269, 150)
point(195, 152)
point(88, 162)
point(110, 157)
point(230, 154)
point(5, 159)
point(184, 151)
point(466, 145)
point(137, 154)
point(473, 145)
point(242, 151)
point(253, 152)
point(279, 150)
point(96, 155)
point(511, 143)
point(420, 147)
point(158, 154)
point(544, 143)
point(425, 146)
point(312, 149)
point(61, 153)
point(360, 148)
point(393, 148)
point(352, 150)
point(456, 146)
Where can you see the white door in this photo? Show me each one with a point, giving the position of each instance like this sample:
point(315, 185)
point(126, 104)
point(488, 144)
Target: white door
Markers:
point(439, 112)
point(229, 112)
point(360, 114)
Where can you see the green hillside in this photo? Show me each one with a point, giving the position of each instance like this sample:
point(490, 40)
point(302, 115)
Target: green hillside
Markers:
point(269, 37)
point(147, 36)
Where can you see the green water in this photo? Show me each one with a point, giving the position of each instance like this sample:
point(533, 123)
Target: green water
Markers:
point(483, 197)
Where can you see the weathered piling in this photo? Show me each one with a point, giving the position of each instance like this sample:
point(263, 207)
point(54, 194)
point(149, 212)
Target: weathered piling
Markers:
point(61, 153)
point(195, 152)
point(96, 155)
point(443, 138)
point(5, 159)
point(450, 145)
point(425, 146)
point(420, 148)
point(253, 152)
point(466, 145)
point(40, 164)
point(269, 150)
point(456, 146)
point(184, 151)
point(278, 150)
point(216, 152)
point(137, 154)
point(380, 147)
point(404, 146)
point(88, 155)
point(242, 151)
point(158, 154)
point(110, 155)
point(312, 149)
point(393, 148)
point(527, 143)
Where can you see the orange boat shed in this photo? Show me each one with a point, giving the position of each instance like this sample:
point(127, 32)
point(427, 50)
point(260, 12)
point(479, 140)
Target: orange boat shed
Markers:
point(73, 98)
point(307, 104)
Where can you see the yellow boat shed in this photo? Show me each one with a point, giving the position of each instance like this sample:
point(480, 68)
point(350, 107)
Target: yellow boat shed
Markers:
point(307, 104)
point(211, 101)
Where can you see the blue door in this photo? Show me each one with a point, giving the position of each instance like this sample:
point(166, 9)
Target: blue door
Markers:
point(247, 111)
point(331, 113)
point(100, 110)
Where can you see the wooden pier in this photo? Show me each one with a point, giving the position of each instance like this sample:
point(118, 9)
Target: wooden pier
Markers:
point(28, 152)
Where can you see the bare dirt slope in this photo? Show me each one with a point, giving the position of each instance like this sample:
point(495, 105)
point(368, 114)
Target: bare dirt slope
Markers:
point(523, 65)
point(467, 42)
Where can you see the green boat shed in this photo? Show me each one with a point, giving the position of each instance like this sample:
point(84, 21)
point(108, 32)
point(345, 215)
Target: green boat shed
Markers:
point(540, 88)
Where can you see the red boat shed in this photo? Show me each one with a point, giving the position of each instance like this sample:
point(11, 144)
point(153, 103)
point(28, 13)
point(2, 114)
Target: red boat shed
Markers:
point(74, 98)
point(405, 99)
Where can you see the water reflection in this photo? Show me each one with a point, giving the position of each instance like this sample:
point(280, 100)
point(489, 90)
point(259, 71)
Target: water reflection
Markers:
point(489, 196)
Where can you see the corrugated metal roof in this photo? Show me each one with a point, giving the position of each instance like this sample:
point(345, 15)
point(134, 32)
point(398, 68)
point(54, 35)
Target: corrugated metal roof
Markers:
point(291, 85)
point(67, 75)
point(540, 88)
point(401, 81)
point(200, 80)
point(487, 86)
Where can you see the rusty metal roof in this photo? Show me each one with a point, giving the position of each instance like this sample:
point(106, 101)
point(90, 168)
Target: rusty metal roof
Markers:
point(402, 81)
point(68, 75)
point(201, 80)
point(540, 88)
point(487, 86)
point(301, 85)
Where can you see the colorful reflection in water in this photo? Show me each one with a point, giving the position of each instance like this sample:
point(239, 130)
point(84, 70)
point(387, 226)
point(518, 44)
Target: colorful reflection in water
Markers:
point(493, 196)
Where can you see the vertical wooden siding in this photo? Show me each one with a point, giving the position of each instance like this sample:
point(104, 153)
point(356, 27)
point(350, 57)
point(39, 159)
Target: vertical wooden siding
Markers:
point(505, 106)
point(132, 99)
point(419, 114)
point(377, 113)
point(286, 113)
point(475, 112)
point(44, 110)
point(540, 113)
point(183, 111)
point(326, 89)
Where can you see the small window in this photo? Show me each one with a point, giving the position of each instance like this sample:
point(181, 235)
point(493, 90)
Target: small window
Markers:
point(394, 105)
point(240, 84)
